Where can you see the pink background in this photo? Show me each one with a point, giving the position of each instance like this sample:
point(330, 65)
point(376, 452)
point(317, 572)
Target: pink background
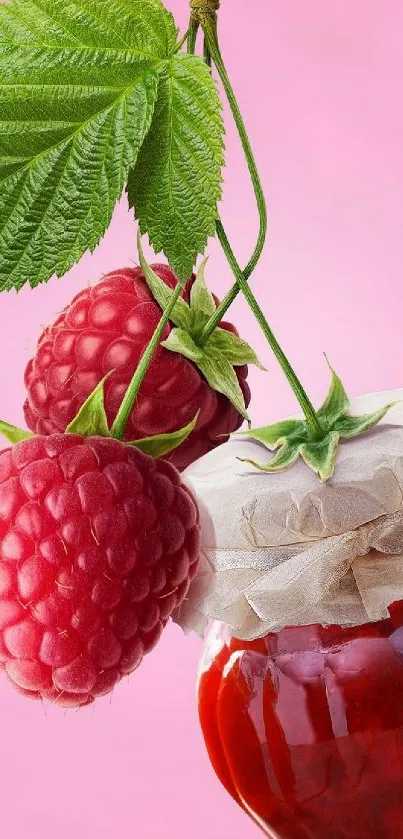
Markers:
point(321, 88)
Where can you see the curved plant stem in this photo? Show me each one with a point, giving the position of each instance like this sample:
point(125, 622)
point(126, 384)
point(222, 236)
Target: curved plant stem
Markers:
point(300, 393)
point(229, 298)
point(182, 41)
point(192, 35)
point(122, 416)
point(212, 50)
point(210, 37)
point(210, 24)
point(210, 32)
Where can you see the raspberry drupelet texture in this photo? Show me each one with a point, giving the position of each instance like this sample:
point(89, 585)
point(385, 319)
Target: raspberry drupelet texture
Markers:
point(107, 327)
point(98, 545)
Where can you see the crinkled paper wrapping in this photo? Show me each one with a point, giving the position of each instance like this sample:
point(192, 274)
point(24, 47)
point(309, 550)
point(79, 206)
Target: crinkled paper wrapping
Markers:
point(286, 549)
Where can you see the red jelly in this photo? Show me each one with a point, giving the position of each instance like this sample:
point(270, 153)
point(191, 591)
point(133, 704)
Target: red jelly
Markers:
point(305, 728)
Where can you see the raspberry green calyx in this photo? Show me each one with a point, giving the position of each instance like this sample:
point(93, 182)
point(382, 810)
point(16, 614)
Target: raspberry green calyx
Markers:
point(292, 438)
point(91, 419)
point(316, 437)
point(218, 357)
point(91, 422)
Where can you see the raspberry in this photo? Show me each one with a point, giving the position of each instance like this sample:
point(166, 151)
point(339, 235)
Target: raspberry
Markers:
point(106, 328)
point(98, 545)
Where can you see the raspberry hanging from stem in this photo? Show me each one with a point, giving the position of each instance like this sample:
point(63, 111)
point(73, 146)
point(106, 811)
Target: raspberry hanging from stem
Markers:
point(316, 439)
point(207, 18)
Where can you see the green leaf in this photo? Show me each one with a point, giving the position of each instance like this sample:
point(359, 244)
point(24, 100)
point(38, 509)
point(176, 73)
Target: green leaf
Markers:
point(272, 436)
point(201, 300)
point(285, 457)
point(181, 315)
point(162, 444)
point(349, 427)
point(176, 184)
point(14, 434)
point(336, 403)
point(234, 349)
point(141, 27)
point(79, 82)
point(320, 455)
point(91, 419)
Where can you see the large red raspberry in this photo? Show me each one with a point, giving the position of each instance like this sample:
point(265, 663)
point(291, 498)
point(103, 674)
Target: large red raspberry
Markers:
point(107, 328)
point(98, 544)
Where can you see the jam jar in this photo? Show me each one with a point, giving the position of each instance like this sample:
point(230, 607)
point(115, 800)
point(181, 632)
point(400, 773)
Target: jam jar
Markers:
point(304, 727)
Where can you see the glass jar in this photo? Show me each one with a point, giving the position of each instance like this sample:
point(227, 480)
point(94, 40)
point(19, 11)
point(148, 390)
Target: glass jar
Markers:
point(305, 727)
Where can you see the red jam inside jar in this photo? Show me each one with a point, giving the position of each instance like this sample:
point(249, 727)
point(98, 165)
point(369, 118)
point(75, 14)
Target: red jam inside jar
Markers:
point(305, 727)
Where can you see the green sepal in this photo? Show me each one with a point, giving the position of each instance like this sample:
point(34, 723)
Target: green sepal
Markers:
point(14, 434)
point(272, 435)
point(292, 438)
point(201, 299)
point(320, 455)
point(222, 352)
point(180, 315)
point(162, 444)
point(349, 427)
point(336, 403)
point(181, 342)
point(91, 419)
point(237, 351)
point(216, 369)
point(286, 455)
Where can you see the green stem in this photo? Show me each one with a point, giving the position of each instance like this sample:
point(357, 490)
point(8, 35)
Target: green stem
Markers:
point(300, 393)
point(122, 416)
point(182, 41)
point(206, 52)
point(192, 35)
point(212, 50)
point(210, 33)
point(227, 301)
point(260, 200)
